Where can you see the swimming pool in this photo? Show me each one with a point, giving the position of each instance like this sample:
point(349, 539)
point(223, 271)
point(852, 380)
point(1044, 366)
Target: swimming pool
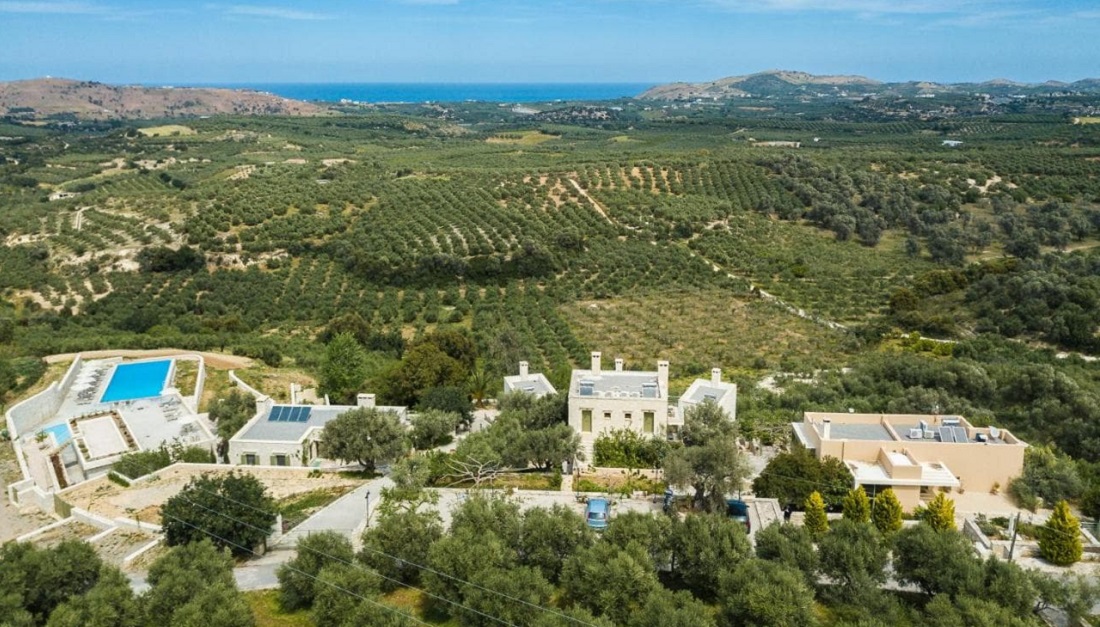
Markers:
point(61, 433)
point(138, 380)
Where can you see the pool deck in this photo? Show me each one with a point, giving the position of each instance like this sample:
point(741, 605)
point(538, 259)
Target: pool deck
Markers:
point(151, 421)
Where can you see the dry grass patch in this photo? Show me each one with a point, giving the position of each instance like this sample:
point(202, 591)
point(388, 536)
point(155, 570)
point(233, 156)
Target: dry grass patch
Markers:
point(521, 138)
point(168, 130)
point(701, 329)
point(267, 613)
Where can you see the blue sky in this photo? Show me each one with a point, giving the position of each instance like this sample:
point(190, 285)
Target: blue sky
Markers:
point(177, 42)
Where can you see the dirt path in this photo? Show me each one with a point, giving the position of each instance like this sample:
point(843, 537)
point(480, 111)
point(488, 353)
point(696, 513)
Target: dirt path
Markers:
point(214, 360)
point(592, 201)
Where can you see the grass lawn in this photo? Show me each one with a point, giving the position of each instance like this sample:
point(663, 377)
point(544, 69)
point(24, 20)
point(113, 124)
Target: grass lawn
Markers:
point(516, 480)
point(414, 602)
point(187, 374)
point(275, 382)
point(216, 385)
point(265, 609)
point(297, 508)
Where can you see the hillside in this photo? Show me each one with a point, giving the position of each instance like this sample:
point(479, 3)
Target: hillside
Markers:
point(781, 83)
point(53, 97)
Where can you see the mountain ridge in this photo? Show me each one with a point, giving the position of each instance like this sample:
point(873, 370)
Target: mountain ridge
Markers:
point(52, 98)
point(794, 83)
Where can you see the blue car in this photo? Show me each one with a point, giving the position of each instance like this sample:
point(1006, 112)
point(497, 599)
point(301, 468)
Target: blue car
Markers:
point(596, 513)
point(739, 511)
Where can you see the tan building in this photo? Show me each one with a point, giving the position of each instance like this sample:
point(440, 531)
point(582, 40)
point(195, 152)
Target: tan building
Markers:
point(914, 454)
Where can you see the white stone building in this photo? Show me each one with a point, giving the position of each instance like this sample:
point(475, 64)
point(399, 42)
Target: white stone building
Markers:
point(724, 394)
point(601, 401)
point(534, 383)
point(290, 435)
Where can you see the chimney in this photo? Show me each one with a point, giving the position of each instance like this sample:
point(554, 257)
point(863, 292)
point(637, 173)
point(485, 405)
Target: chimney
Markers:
point(618, 364)
point(715, 375)
point(826, 429)
point(364, 400)
point(662, 377)
point(523, 369)
point(595, 361)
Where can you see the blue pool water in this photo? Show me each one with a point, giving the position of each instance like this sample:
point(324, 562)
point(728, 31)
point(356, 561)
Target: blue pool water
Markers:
point(140, 380)
point(61, 433)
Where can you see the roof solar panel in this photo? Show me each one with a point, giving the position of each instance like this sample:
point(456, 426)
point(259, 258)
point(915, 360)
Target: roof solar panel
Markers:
point(960, 435)
point(276, 413)
point(946, 434)
point(296, 414)
point(306, 411)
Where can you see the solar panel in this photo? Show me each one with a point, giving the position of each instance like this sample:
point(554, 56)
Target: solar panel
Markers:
point(275, 415)
point(306, 411)
point(946, 434)
point(296, 414)
point(960, 435)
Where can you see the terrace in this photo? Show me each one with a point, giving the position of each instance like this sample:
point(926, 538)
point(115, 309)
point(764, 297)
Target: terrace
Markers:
point(76, 428)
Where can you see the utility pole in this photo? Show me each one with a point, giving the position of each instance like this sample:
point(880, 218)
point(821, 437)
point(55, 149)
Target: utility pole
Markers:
point(1015, 530)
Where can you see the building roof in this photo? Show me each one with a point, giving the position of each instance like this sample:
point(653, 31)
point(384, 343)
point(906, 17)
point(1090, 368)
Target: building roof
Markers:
point(800, 433)
point(702, 389)
point(866, 431)
point(534, 383)
point(934, 474)
point(616, 384)
point(290, 423)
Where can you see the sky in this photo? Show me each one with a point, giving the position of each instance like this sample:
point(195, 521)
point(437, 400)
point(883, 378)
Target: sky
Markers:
point(176, 42)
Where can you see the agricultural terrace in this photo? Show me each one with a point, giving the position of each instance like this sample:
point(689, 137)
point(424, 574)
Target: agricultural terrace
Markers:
point(547, 234)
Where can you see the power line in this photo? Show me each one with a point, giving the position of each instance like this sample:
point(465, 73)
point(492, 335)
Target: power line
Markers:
point(421, 567)
point(356, 565)
point(301, 572)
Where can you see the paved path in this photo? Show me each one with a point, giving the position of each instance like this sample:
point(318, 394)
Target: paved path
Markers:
point(346, 515)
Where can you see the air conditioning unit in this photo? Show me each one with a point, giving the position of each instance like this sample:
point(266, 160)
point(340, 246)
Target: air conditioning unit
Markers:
point(929, 434)
point(916, 433)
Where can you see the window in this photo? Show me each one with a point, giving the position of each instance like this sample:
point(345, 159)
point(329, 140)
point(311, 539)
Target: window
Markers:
point(280, 459)
point(647, 422)
point(586, 420)
point(607, 416)
point(250, 459)
point(628, 416)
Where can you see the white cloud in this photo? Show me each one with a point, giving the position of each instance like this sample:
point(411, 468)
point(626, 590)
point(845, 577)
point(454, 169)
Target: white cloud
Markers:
point(273, 12)
point(71, 8)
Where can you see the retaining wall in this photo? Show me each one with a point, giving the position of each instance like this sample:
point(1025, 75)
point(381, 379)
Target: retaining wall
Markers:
point(30, 413)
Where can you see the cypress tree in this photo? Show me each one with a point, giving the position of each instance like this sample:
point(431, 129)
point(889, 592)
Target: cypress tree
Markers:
point(1060, 538)
point(856, 505)
point(940, 514)
point(886, 512)
point(816, 521)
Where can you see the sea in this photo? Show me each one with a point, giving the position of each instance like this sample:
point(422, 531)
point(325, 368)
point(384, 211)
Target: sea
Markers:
point(445, 92)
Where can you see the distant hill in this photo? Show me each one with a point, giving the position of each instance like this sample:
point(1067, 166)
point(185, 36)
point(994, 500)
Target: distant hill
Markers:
point(53, 97)
point(782, 83)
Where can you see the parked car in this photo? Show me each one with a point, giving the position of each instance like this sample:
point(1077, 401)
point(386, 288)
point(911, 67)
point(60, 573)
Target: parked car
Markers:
point(739, 510)
point(596, 513)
